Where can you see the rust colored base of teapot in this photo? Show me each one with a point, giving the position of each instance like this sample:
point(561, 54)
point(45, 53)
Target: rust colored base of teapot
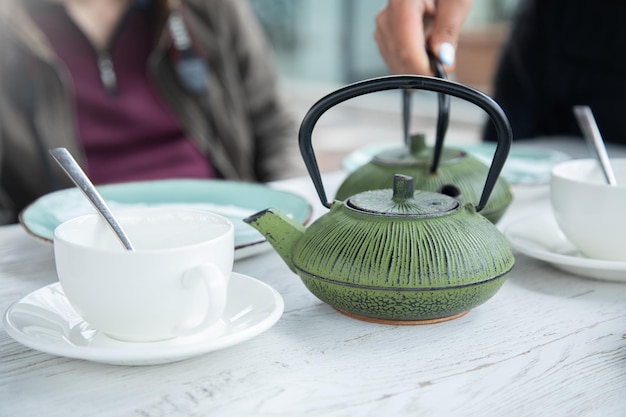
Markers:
point(402, 322)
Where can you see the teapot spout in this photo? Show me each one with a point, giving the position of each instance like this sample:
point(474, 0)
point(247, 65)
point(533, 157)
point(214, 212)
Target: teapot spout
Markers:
point(281, 231)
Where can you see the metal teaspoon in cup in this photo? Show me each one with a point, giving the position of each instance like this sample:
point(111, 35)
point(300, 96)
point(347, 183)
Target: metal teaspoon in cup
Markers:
point(78, 176)
point(588, 125)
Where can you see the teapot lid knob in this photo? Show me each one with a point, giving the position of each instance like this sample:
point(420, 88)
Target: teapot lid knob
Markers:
point(403, 200)
point(417, 144)
point(403, 188)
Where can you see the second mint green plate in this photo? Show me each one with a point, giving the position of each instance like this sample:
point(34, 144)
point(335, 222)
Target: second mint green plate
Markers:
point(525, 165)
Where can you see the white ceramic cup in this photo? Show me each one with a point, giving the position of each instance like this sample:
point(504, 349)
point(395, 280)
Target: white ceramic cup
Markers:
point(173, 284)
point(591, 213)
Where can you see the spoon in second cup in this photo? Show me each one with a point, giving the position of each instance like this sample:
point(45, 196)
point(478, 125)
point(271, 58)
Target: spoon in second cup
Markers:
point(74, 171)
point(588, 125)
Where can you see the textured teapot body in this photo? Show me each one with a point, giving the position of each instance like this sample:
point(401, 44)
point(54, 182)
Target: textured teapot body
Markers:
point(395, 254)
point(402, 267)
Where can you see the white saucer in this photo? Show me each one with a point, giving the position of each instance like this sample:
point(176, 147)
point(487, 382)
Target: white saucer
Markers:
point(44, 320)
point(539, 237)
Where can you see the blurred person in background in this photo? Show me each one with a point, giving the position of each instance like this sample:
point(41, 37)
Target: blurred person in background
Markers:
point(559, 54)
point(137, 90)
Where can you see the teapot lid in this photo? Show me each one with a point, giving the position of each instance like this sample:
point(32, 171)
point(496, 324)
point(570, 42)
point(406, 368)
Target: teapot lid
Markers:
point(403, 200)
point(415, 153)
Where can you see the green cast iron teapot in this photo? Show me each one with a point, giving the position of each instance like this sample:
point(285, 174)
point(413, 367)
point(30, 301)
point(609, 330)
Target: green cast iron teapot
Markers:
point(431, 167)
point(396, 255)
point(456, 167)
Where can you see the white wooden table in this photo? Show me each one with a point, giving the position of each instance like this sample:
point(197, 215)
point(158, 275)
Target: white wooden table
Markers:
point(547, 344)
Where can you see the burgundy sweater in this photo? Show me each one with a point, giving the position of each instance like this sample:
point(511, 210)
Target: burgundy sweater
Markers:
point(127, 131)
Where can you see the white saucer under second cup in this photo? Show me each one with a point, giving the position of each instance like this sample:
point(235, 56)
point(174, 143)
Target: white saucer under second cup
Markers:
point(539, 237)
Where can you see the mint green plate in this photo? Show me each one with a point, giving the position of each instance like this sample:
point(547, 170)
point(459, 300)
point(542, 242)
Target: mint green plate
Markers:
point(235, 200)
point(526, 164)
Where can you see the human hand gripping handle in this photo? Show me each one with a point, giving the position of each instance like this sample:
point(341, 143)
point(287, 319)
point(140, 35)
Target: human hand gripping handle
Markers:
point(405, 28)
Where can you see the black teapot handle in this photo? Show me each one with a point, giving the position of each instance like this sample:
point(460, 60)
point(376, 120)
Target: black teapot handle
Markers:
point(417, 82)
point(443, 115)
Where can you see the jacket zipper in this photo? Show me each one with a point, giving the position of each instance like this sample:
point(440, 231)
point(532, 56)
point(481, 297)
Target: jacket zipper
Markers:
point(107, 72)
point(104, 61)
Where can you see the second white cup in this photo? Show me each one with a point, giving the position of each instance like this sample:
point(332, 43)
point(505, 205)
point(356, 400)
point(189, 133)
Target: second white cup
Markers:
point(589, 211)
